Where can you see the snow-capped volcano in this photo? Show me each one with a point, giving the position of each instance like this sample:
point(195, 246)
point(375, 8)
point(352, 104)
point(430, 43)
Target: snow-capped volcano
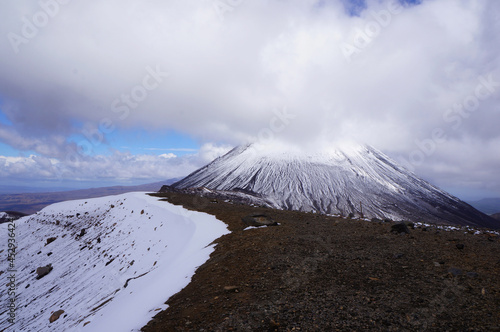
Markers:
point(353, 179)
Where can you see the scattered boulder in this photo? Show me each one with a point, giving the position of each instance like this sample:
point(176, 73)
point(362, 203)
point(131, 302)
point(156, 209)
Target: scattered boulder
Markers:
point(50, 240)
point(493, 237)
point(43, 271)
point(82, 232)
point(400, 228)
point(460, 246)
point(455, 271)
point(55, 316)
point(258, 220)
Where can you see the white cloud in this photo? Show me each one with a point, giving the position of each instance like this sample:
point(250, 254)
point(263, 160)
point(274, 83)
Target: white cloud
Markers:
point(168, 155)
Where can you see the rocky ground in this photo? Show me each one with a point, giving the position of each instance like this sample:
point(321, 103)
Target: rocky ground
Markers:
point(320, 273)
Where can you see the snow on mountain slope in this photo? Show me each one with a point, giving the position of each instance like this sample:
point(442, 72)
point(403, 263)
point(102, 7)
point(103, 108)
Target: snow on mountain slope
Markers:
point(115, 261)
point(342, 180)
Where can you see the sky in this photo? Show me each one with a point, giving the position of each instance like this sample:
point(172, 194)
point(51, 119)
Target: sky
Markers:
point(126, 91)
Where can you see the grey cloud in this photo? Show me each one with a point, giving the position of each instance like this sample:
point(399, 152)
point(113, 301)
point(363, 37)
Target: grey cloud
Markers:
point(227, 76)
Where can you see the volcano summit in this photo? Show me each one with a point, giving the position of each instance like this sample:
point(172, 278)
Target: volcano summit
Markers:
point(352, 179)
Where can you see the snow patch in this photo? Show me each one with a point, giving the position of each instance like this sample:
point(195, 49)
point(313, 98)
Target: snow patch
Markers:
point(115, 260)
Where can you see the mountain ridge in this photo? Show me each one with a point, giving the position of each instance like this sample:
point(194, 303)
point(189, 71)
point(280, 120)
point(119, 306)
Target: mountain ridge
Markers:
point(487, 205)
point(29, 203)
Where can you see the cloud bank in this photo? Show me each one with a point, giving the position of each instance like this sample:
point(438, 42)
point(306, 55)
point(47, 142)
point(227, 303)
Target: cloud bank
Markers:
point(107, 169)
point(419, 81)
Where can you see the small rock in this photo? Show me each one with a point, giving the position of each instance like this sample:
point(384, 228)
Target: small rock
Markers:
point(43, 271)
point(82, 232)
point(398, 256)
point(460, 246)
point(437, 264)
point(400, 228)
point(472, 274)
point(50, 240)
point(55, 316)
point(455, 271)
point(273, 324)
point(258, 220)
point(231, 289)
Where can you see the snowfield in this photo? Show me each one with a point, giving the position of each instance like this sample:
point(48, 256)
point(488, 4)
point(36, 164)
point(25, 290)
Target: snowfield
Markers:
point(115, 261)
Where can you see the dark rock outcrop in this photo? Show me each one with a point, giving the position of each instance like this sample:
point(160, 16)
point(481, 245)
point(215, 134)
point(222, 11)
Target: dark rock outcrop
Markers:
point(400, 228)
point(258, 220)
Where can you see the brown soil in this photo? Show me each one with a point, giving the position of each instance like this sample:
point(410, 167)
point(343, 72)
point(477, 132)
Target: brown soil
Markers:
point(319, 273)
